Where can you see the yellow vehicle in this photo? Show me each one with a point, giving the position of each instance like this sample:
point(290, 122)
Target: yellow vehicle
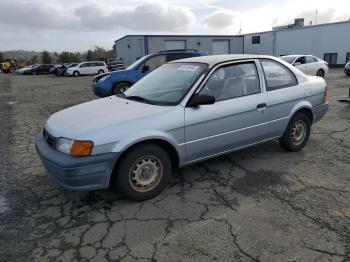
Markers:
point(10, 65)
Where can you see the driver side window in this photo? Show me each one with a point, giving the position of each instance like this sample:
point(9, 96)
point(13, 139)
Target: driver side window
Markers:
point(231, 81)
point(153, 63)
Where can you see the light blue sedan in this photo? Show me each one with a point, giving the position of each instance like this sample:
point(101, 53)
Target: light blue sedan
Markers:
point(183, 112)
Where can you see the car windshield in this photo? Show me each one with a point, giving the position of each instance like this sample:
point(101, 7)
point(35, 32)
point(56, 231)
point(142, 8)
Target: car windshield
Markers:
point(72, 65)
point(166, 85)
point(137, 62)
point(288, 59)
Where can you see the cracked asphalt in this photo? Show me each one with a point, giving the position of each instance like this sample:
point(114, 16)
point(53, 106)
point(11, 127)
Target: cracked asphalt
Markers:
point(259, 204)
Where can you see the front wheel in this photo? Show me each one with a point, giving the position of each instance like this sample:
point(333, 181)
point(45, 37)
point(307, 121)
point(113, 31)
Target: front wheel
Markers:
point(121, 88)
point(76, 73)
point(297, 133)
point(143, 172)
point(320, 73)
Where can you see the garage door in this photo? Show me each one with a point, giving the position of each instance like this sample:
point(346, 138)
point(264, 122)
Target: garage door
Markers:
point(175, 44)
point(221, 47)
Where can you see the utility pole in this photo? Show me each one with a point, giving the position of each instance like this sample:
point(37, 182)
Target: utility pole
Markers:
point(316, 15)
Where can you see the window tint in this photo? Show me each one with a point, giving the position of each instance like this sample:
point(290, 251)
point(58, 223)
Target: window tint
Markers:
point(256, 39)
point(84, 65)
point(172, 57)
point(300, 60)
point(232, 81)
point(99, 64)
point(277, 76)
point(155, 62)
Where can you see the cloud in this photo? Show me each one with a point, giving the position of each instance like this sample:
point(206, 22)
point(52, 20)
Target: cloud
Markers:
point(219, 19)
point(150, 16)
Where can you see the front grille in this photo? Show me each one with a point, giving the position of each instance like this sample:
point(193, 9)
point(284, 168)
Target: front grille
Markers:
point(51, 140)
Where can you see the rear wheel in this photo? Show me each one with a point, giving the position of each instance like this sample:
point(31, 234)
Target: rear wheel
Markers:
point(143, 172)
point(121, 87)
point(76, 73)
point(297, 133)
point(34, 73)
point(100, 72)
point(12, 69)
point(320, 73)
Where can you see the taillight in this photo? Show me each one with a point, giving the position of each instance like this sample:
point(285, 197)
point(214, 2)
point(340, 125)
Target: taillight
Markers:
point(325, 95)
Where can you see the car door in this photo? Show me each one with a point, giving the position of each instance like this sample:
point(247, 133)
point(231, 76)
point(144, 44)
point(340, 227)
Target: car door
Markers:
point(300, 63)
point(84, 69)
point(313, 65)
point(238, 118)
point(283, 92)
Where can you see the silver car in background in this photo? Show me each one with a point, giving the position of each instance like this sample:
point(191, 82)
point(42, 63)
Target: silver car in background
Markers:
point(184, 112)
point(308, 64)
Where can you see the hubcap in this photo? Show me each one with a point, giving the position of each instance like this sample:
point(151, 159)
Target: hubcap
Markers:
point(298, 132)
point(145, 173)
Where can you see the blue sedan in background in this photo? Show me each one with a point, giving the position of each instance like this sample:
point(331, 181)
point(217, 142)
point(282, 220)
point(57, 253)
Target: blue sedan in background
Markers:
point(118, 82)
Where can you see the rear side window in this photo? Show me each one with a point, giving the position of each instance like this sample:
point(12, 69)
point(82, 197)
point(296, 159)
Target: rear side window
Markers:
point(172, 57)
point(277, 76)
point(310, 59)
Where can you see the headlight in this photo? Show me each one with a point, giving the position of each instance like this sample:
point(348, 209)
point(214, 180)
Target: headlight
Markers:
point(104, 78)
point(74, 148)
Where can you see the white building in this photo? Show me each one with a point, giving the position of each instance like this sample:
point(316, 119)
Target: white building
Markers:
point(330, 42)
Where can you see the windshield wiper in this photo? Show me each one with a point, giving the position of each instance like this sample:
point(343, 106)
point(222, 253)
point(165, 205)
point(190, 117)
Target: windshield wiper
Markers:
point(139, 98)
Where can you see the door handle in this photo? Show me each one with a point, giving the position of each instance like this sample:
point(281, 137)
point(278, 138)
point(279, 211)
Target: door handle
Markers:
point(260, 106)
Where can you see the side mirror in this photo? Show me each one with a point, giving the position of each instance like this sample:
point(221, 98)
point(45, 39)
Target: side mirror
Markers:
point(197, 100)
point(297, 63)
point(145, 69)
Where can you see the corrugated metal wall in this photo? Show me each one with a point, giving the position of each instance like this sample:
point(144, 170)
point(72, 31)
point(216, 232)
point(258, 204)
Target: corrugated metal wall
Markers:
point(130, 48)
point(315, 40)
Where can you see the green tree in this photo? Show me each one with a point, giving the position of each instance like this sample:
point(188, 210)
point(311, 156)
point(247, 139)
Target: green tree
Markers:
point(46, 57)
point(64, 57)
point(34, 60)
point(1, 57)
point(89, 55)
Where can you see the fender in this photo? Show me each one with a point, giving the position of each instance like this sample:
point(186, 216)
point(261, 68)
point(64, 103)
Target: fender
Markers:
point(300, 105)
point(144, 136)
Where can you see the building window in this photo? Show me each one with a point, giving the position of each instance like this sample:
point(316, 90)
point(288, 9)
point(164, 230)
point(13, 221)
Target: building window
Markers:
point(331, 58)
point(256, 39)
point(347, 57)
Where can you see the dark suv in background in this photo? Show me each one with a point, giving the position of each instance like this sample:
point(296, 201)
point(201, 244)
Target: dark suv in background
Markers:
point(119, 81)
point(39, 69)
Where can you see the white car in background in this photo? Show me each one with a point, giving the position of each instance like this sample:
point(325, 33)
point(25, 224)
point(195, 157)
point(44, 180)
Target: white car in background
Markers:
point(308, 64)
point(88, 68)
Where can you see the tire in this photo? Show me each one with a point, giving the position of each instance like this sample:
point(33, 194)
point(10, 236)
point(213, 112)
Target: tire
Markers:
point(76, 73)
point(297, 133)
point(34, 73)
point(12, 70)
point(120, 88)
point(100, 72)
point(320, 73)
point(148, 158)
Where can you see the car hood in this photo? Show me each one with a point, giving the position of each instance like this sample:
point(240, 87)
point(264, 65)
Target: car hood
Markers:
point(79, 121)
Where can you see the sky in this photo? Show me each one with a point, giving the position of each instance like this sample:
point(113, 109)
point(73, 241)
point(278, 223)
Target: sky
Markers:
point(77, 25)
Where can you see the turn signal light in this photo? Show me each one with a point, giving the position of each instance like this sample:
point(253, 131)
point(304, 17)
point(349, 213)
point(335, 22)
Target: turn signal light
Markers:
point(325, 95)
point(81, 148)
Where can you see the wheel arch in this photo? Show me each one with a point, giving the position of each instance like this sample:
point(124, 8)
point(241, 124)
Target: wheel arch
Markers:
point(306, 109)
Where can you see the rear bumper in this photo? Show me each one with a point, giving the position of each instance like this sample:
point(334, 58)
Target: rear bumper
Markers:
point(319, 111)
point(101, 89)
point(76, 173)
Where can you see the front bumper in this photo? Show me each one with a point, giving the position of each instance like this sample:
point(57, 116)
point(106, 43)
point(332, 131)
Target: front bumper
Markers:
point(76, 173)
point(101, 88)
point(319, 111)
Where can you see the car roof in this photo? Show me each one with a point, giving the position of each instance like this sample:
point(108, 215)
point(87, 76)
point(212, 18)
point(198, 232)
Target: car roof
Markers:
point(212, 60)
